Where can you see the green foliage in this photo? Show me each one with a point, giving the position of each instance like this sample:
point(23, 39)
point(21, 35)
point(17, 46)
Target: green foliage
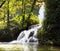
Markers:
point(15, 16)
point(51, 28)
point(33, 20)
point(2, 24)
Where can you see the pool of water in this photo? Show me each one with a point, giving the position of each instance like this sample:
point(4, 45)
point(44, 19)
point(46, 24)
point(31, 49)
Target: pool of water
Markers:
point(43, 48)
point(27, 47)
point(48, 48)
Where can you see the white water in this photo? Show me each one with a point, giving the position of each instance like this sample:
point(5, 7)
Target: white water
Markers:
point(41, 12)
point(28, 36)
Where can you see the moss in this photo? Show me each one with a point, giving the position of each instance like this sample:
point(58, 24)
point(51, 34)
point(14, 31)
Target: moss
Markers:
point(16, 48)
point(11, 48)
point(2, 49)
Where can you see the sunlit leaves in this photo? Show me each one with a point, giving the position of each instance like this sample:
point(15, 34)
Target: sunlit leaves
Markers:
point(15, 10)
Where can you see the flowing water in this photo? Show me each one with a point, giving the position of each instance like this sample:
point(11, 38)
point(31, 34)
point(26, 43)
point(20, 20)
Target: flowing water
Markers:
point(27, 39)
point(41, 12)
point(28, 36)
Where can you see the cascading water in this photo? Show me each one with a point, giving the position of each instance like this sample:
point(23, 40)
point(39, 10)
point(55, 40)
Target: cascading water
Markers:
point(41, 12)
point(28, 36)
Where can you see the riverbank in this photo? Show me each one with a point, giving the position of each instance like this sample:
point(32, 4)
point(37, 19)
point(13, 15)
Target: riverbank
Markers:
point(23, 47)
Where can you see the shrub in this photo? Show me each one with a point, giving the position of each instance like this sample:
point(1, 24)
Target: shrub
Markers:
point(51, 28)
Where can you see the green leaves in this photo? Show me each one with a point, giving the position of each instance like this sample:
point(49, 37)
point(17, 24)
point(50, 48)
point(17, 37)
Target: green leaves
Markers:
point(52, 20)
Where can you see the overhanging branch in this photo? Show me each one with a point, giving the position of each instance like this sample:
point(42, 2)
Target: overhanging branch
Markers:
point(2, 4)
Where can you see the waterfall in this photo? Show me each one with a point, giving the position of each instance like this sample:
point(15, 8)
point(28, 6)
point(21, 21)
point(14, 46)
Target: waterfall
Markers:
point(41, 12)
point(28, 36)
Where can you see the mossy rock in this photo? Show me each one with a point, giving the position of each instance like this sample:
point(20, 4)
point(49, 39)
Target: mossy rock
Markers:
point(2, 49)
point(11, 47)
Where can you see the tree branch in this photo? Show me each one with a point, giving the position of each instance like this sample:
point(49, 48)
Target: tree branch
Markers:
point(2, 4)
point(34, 2)
point(32, 8)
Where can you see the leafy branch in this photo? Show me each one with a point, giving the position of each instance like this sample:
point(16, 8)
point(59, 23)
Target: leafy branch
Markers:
point(2, 4)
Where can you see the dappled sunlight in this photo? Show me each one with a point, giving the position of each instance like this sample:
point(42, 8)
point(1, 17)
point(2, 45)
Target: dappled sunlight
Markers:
point(27, 47)
point(18, 47)
point(29, 25)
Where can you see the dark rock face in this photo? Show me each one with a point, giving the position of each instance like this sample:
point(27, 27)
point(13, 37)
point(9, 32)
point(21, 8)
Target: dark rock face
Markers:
point(32, 40)
point(31, 34)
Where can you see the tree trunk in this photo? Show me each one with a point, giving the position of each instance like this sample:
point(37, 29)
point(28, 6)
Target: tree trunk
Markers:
point(8, 22)
point(23, 12)
point(30, 13)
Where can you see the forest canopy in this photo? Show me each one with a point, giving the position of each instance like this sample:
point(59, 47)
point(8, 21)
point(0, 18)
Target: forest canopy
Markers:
point(17, 15)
